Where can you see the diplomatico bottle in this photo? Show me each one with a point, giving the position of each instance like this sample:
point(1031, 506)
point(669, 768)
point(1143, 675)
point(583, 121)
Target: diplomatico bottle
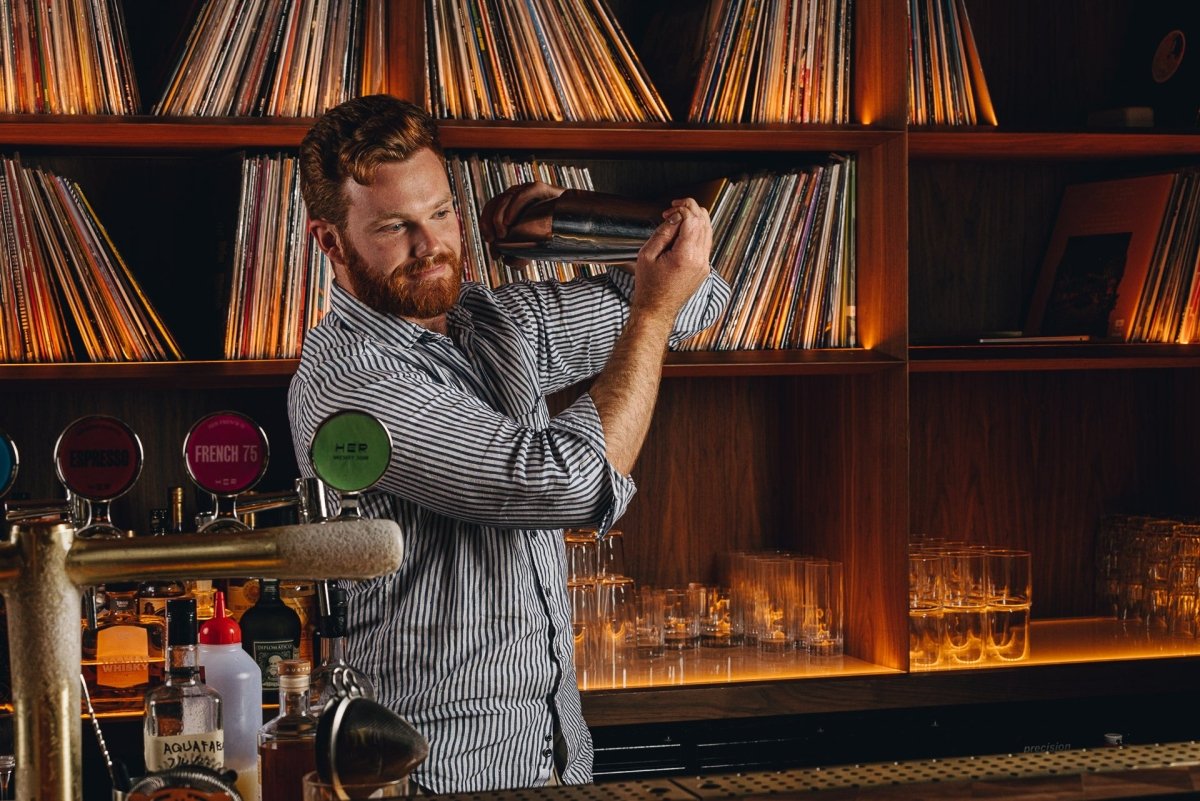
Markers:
point(270, 634)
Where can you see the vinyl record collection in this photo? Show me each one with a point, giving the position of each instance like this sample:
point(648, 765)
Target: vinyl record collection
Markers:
point(775, 61)
point(946, 85)
point(281, 279)
point(271, 58)
point(536, 60)
point(65, 289)
point(785, 244)
point(64, 57)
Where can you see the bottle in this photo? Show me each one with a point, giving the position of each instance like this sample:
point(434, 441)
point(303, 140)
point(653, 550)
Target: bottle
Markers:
point(123, 655)
point(287, 743)
point(270, 634)
point(176, 514)
point(301, 596)
point(152, 597)
point(335, 677)
point(202, 591)
point(182, 718)
point(235, 675)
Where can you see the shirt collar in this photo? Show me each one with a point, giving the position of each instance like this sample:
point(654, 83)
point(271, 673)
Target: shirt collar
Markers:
point(358, 316)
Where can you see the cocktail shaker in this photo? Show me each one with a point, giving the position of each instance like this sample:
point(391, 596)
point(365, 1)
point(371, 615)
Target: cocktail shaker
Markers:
point(582, 226)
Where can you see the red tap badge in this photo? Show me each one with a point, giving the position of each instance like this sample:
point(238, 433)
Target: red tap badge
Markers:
point(225, 453)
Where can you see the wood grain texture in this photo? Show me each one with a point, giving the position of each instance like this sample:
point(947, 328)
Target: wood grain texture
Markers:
point(1032, 460)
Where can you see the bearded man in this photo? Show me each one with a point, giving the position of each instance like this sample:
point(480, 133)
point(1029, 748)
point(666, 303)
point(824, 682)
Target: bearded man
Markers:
point(471, 639)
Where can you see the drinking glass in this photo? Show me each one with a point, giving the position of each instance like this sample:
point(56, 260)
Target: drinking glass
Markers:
point(1183, 616)
point(651, 622)
point(611, 556)
point(777, 604)
point(965, 606)
point(716, 621)
point(617, 615)
point(584, 619)
point(582, 554)
point(926, 623)
point(317, 790)
point(681, 621)
point(1009, 600)
point(823, 607)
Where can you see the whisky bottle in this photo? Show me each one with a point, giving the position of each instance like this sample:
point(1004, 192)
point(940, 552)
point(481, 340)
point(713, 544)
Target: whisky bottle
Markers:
point(123, 655)
point(287, 743)
point(335, 677)
point(183, 717)
point(270, 633)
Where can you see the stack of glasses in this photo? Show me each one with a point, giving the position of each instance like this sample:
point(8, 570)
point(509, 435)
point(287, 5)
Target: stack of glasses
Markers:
point(967, 604)
point(1148, 572)
point(776, 605)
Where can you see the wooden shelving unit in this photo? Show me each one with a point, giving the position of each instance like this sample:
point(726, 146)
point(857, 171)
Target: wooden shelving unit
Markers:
point(841, 453)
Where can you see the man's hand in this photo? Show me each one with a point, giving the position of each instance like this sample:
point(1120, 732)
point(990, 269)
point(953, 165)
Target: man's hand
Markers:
point(504, 209)
point(673, 263)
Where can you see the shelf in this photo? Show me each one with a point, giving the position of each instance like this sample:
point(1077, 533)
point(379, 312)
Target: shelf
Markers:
point(224, 133)
point(993, 143)
point(1070, 658)
point(278, 372)
point(1082, 356)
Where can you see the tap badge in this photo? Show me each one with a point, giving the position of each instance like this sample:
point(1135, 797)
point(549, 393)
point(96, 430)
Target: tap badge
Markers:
point(350, 451)
point(225, 453)
point(9, 461)
point(98, 457)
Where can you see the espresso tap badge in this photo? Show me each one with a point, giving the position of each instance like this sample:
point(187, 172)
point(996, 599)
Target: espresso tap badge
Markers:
point(226, 453)
point(98, 457)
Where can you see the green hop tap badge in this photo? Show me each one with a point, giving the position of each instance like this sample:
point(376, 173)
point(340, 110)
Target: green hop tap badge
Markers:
point(350, 451)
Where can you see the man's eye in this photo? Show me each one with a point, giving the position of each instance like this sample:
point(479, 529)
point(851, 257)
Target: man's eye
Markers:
point(441, 214)
point(396, 226)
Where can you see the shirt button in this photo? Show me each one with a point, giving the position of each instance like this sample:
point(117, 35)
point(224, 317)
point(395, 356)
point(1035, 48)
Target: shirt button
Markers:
point(547, 753)
point(548, 737)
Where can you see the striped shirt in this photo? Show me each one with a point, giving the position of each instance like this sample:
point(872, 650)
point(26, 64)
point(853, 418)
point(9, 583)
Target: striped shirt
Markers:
point(470, 640)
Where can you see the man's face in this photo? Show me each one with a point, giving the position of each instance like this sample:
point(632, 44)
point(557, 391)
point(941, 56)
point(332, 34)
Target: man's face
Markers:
point(401, 240)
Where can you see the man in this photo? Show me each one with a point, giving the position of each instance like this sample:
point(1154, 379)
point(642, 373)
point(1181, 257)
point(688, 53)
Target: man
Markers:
point(471, 639)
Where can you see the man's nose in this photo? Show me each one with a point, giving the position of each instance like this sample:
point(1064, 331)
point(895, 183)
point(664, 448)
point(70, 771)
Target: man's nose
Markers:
point(426, 242)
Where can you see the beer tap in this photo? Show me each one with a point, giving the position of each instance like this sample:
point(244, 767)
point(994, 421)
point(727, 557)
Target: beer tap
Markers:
point(350, 453)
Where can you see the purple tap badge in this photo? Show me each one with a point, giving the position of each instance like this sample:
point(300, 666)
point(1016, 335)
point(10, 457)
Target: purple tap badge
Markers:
point(98, 457)
point(225, 453)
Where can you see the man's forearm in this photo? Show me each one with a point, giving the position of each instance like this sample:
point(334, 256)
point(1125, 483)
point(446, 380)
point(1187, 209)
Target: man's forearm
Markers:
point(626, 391)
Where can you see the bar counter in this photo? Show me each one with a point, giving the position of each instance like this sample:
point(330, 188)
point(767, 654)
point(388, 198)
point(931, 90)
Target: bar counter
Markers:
point(1072, 775)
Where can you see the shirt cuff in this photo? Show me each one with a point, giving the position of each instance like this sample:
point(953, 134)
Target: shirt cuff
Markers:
point(582, 420)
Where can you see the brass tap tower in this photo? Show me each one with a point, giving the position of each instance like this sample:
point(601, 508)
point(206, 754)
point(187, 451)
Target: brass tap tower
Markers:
point(43, 567)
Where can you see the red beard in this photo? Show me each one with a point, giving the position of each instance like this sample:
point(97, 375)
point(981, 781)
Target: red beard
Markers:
point(394, 294)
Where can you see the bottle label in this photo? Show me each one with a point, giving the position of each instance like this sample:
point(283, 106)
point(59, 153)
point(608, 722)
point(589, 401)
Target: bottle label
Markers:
point(122, 656)
point(205, 748)
point(268, 654)
point(152, 607)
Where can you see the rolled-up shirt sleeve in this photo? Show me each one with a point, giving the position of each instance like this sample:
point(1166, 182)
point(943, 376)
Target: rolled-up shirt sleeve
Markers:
point(458, 457)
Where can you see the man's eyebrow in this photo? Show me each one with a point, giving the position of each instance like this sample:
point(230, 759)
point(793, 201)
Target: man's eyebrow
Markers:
point(388, 216)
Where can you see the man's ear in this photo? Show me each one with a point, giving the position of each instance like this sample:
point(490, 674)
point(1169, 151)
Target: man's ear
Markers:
point(329, 240)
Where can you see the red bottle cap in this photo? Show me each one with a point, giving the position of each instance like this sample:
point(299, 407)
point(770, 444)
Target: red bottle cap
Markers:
point(220, 630)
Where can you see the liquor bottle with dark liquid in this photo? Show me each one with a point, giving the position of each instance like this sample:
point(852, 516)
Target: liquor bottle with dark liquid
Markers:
point(270, 634)
point(287, 743)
